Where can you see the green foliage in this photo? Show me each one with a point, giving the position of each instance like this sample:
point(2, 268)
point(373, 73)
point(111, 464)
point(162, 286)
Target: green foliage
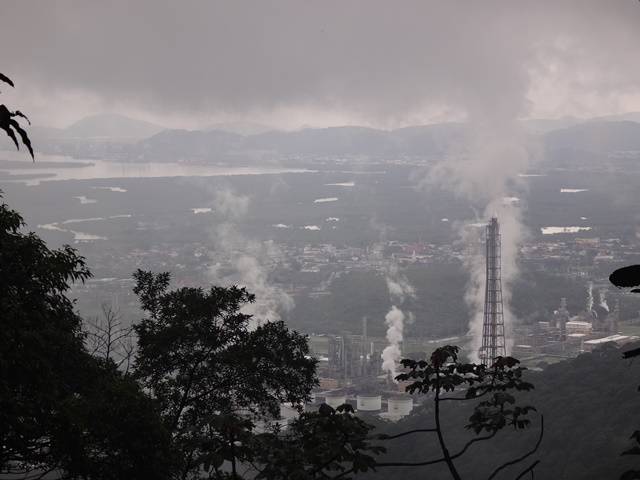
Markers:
point(205, 362)
point(111, 429)
point(444, 373)
point(320, 445)
point(441, 376)
point(41, 343)
point(60, 408)
point(588, 404)
point(635, 436)
point(627, 277)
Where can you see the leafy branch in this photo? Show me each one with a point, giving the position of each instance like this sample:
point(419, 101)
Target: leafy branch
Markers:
point(9, 123)
point(442, 375)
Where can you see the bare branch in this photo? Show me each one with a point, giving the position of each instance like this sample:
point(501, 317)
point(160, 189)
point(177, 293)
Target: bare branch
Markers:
point(521, 458)
point(472, 441)
point(528, 469)
point(410, 432)
point(107, 338)
point(411, 464)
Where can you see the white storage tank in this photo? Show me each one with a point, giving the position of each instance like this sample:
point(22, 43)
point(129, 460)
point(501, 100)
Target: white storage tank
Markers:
point(369, 403)
point(399, 406)
point(334, 400)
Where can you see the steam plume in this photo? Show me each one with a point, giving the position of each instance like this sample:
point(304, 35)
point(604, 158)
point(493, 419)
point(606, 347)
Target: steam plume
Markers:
point(590, 297)
point(251, 260)
point(399, 290)
point(603, 299)
point(485, 172)
point(392, 353)
point(398, 284)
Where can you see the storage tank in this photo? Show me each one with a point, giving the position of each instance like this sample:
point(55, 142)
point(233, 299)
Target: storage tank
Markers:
point(334, 400)
point(369, 403)
point(399, 406)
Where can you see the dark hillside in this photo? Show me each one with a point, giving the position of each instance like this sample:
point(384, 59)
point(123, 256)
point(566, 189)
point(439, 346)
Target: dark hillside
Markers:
point(591, 406)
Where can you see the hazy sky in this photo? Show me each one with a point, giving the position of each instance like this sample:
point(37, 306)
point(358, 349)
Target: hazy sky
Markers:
point(289, 63)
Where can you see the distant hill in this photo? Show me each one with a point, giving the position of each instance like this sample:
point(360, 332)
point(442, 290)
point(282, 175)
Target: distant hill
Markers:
point(333, 140)
point(242, 128)
point(173, 145)
point(597, 136)
point(109, 125)
point(574, 142)
point(348, 140)
point(621, 117)
point(539, 126)
point(130, 139)
point(432, 139)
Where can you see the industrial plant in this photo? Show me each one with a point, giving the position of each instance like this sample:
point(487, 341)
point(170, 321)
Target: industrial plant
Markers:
point(350, 365)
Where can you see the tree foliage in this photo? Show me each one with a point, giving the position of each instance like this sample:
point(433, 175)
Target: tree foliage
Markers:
point(41, 343)
point(108, 337)
point(60, 408)
point(629, 278)
point(10, 125)
point(318, 445)
point(205, 364)
point(442, 376)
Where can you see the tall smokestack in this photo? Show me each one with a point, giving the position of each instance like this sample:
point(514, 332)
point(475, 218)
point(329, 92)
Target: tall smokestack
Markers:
point(493, 342)
point(365, 360)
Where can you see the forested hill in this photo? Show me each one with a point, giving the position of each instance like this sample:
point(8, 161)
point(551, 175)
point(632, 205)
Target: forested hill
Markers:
point(590, 406)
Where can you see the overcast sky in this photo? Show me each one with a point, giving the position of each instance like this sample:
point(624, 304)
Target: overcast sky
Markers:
point(289, 63)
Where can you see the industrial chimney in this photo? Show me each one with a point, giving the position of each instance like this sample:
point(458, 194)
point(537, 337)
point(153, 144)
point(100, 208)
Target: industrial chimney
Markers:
point(493, 342)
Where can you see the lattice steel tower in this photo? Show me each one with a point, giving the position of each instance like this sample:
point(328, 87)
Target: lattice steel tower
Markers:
point(493, 344)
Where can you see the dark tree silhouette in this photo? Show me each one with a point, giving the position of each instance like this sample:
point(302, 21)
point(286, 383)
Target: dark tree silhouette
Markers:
point(320, 445)
point(40, 343)
point(212, 373)
point(629, 278)
point(10, 125)
point(109, 338)
point(62, 409)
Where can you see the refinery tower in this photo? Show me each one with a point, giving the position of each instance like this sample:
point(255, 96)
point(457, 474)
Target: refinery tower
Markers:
point(493, 343)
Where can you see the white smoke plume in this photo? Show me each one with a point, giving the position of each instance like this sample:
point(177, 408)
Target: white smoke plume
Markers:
point(399, 290)
point(473, 237)
point(590, 297)
point(398, 284)
point(484, 170)
point(603, 299)
point(392, 353)
point(251, 260)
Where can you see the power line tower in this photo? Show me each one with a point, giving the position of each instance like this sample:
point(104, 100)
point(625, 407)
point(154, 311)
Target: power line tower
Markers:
point(493, 344)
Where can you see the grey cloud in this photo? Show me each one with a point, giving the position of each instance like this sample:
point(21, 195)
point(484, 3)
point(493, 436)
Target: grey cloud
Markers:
point(386, 60)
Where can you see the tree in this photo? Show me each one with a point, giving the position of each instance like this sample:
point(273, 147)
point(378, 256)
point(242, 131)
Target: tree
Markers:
point(112, 430)
point(212, 373)
point(40, 345)
point(319, 445)
point(629, 278)
point(441, 376)
point(62, 409)
point(109, 339)
point(10, 125)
